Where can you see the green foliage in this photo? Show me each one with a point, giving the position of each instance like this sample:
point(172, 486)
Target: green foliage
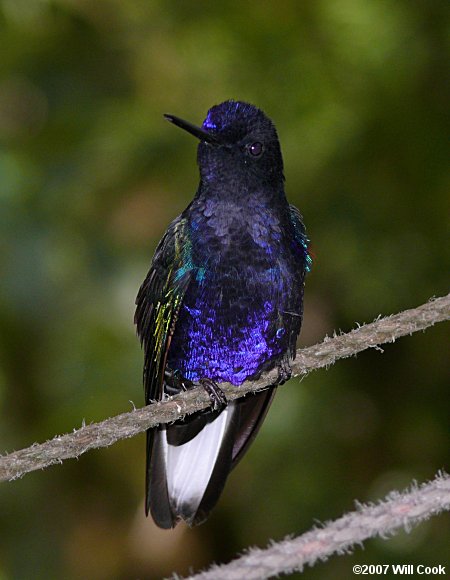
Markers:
point(90, 177)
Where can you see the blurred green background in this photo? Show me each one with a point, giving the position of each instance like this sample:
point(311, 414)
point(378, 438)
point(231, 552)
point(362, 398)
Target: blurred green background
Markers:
point(91, 175)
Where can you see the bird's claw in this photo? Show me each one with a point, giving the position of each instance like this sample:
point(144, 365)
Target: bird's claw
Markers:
point(284, 371)
point(215, 393)
point(175, 383)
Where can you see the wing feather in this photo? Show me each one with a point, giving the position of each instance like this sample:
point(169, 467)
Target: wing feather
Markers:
point(158, 303)
point(301, 243)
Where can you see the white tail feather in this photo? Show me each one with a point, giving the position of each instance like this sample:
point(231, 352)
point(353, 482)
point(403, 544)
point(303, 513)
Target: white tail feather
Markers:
point(189, 467)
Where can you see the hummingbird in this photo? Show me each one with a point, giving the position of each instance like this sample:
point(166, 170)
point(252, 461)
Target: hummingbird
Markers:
point(222, 302)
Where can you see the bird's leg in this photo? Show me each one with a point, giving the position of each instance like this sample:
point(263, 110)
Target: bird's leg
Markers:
point(216, 395)
point(183, 383)
point(284, 371)
point(175, 383)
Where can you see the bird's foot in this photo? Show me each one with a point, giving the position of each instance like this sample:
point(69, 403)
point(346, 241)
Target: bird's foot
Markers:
point(216, 395)
point(175, 382)
point(284, 371)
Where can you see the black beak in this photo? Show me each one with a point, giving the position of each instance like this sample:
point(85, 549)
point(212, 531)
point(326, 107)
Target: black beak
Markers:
point(193, 129)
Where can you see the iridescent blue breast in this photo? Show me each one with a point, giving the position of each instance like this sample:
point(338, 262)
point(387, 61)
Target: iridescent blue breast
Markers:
point(229, 327)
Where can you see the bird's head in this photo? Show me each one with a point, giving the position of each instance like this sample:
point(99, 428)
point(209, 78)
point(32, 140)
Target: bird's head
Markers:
point(238, 145)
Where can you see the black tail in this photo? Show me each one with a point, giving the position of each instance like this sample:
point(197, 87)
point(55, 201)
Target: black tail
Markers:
point(188, 462)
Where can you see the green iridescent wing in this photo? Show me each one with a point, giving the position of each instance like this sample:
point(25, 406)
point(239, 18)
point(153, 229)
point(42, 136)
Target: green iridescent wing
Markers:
point(301, 242)
point(300, 235)
point(159, 301)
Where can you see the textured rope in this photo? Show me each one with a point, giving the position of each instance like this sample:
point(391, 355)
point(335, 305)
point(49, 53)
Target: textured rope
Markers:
point(399, 510)
point(323, 354)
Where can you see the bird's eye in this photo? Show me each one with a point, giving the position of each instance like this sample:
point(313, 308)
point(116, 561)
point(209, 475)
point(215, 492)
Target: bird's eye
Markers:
point(255, 149)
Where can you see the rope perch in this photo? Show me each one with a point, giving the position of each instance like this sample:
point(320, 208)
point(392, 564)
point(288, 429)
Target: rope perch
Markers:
point(399, 510)
point(323, 354)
